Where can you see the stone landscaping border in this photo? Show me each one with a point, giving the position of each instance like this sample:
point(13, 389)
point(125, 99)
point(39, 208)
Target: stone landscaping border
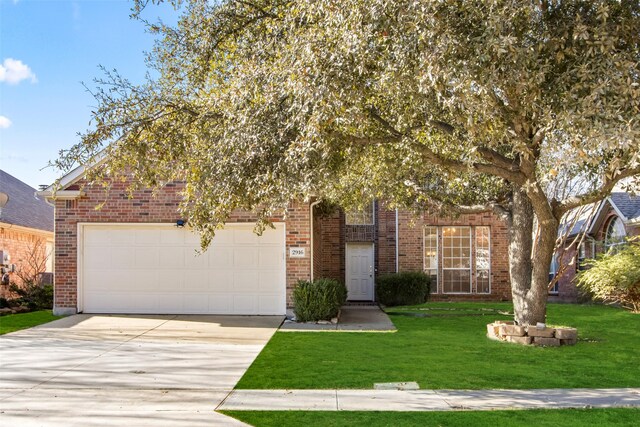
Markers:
point(539, 334)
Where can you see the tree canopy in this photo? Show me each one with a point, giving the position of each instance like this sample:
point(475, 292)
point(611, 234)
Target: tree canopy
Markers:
point(445, 105)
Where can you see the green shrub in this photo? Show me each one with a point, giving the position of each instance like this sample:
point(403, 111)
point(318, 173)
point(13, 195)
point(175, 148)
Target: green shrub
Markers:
point(33, 295)
point(318, 300)
point(615, 277)
point(407, 288)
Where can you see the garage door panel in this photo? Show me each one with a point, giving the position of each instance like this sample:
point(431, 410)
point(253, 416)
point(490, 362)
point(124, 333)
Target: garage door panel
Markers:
point(172, 258)
point(269, 237)
point(269, 256)
point(245, 303)
point(155, 269)
point(197, 280)
point(98, 237)
point(220, 256)
point(220, 280)
point(148, 236)
point(197, 303)
point(244, 257)
point(194, 260)
point(242, 237)
point(221, 304)
point(121, 258)
point(267, 302)
point(246, 281)
point(147, 257)
point(268, 280)
point(222, 238)
point(173, 237)
point(141, 280)
point(102, 280)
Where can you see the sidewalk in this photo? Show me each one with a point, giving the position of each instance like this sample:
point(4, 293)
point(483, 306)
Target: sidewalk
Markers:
point(428, 400)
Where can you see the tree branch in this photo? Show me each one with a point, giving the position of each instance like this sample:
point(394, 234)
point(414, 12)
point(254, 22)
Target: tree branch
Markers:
point(515, 177)
point(497, 159)
point(560, 208)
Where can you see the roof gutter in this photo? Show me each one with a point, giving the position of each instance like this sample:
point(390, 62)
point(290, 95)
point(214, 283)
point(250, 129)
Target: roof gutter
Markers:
point(50, 196)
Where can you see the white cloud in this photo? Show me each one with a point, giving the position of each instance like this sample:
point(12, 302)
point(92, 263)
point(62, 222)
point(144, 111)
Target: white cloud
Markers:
point(13, 71)
point(4, 122)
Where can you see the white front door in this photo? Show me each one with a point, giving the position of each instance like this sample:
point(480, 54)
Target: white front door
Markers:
point(360, 261)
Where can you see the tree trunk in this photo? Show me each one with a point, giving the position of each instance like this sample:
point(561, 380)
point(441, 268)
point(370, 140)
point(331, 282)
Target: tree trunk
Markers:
point(529, 260)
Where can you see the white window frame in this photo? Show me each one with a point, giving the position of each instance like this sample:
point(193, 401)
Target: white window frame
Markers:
point(424, 256)
point(615, 225)
point(359, 217)
point(488, 270)
point(469, 269)
point(553, 270)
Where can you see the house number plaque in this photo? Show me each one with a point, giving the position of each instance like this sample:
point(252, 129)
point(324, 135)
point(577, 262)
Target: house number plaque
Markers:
point(297, 252)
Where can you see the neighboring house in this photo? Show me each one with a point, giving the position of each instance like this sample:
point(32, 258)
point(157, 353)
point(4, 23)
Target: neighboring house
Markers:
point(26, 229)
point(132, 256)
point(595, 229)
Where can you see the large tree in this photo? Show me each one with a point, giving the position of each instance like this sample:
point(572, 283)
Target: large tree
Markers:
point(442, 105)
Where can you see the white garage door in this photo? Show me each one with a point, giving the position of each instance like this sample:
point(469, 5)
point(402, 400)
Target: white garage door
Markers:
point(155, 269)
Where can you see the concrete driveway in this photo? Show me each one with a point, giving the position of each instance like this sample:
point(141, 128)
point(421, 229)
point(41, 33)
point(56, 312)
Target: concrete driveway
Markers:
point(99, 370)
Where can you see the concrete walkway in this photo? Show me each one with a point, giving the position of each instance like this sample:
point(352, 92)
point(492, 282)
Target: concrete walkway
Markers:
point(428, 400)
point(368, 318)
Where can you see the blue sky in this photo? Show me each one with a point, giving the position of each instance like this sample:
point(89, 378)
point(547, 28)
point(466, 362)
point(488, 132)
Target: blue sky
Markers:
point(47, 49)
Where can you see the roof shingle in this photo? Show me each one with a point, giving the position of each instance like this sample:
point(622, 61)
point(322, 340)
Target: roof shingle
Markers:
point(24, 208)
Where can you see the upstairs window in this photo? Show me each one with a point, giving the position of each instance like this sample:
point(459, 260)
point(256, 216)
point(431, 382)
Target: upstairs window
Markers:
point(363, 216)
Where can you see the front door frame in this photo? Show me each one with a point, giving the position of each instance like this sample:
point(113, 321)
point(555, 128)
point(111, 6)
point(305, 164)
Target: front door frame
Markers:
point(372, 270)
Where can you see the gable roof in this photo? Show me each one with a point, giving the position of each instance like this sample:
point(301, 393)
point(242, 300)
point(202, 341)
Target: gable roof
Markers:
point(24, 208)
point(589, 217)
point(628, 205)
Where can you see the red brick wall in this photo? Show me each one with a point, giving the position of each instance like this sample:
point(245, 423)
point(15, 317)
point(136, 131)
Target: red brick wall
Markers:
point(385, 239)
point(19, 242)
point(411, 242)
point(330, 241)
point(144, 207)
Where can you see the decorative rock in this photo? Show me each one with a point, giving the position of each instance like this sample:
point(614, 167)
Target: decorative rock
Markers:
point(5, 310)
point(493, 330)
point(519, 340)
point(323, 322)
point(547, 342)
point(567, 333)
point(334, 320)
point(569, 342)
point(512, 330)
point(535, 332)
point(504, 322)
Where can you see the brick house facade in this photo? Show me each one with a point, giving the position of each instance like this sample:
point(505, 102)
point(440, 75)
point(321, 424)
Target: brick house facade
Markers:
point(403, 233)
point(604, 225)
point(467, 256)
point(26, 233)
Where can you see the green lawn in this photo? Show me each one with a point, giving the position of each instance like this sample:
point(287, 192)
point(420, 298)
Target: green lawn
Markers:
point(538, 418)
point(15, 322)
point(449, 349)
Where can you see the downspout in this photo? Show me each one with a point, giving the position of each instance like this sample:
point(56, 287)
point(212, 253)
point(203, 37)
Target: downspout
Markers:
point(311, 233)
point(397, 245)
